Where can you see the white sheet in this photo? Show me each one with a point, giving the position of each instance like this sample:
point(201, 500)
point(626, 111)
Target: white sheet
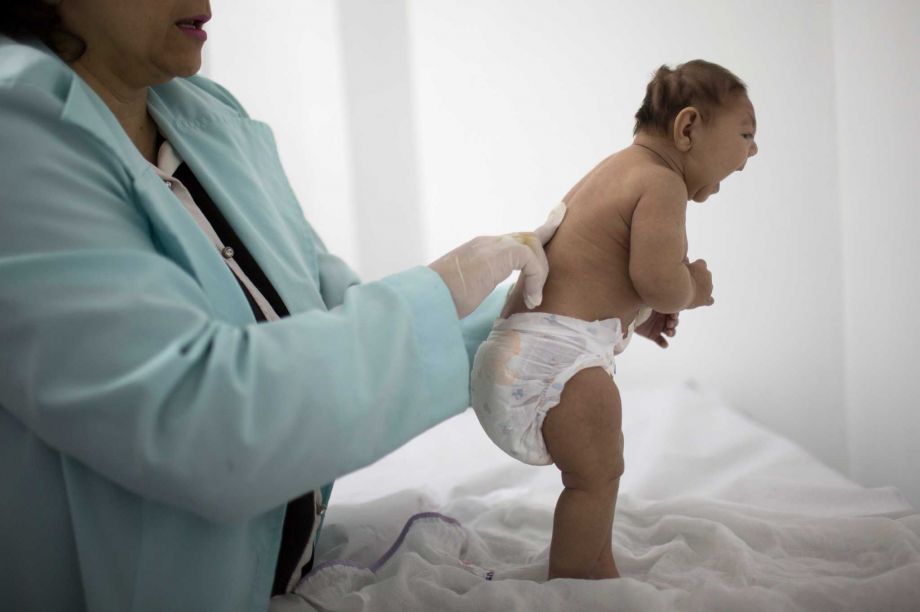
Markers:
point(714, 513)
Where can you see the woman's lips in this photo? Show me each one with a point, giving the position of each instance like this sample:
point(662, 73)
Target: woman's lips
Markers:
point(192, 26)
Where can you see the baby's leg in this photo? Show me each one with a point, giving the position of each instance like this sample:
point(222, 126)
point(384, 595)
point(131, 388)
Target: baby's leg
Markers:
point(583, 436)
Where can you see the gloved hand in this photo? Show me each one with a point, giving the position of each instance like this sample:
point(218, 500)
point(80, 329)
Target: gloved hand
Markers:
point(473, 270)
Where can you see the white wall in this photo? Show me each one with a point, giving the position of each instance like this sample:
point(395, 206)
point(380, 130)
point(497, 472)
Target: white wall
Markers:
point(878, 92)
point(287, 68)
point(332, 78)
point(431, 121)
point(381, 125)
point(518, 99)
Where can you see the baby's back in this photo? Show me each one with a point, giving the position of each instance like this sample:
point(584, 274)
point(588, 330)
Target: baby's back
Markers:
point(589, 254)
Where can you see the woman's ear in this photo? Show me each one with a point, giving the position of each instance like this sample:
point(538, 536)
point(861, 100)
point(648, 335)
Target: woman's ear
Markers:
point(684, 124)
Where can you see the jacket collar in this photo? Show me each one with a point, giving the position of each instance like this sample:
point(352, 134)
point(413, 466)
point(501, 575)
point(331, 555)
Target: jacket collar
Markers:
point(234, 159)
point(175, 106)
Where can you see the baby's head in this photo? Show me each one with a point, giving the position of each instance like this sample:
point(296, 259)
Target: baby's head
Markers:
point(702, 112)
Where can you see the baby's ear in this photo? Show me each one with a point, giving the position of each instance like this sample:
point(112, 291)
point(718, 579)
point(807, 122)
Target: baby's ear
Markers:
point(687, 119)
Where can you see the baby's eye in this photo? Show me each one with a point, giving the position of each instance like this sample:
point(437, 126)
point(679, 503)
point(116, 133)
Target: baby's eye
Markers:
point(748, 135)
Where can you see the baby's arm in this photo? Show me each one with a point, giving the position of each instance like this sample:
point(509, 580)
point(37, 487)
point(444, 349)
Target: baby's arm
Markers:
point(658, 266)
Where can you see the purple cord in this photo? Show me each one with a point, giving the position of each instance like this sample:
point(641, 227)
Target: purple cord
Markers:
point(373, 567)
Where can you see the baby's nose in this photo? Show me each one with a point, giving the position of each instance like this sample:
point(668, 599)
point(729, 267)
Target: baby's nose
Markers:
point(753, 150)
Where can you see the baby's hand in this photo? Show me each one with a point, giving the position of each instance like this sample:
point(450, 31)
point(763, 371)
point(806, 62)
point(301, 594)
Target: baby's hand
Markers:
point(657, 326)
point(702, 282)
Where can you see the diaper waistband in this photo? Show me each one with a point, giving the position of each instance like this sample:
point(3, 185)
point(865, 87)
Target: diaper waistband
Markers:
point(607, 331)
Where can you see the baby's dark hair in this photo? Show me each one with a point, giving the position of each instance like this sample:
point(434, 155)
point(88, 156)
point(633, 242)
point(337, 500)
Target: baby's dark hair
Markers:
point(697, 83)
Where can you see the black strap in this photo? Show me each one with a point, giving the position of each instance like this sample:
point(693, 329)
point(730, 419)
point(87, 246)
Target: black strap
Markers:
point(298, 519)
point(228, 236)
point(298, 523)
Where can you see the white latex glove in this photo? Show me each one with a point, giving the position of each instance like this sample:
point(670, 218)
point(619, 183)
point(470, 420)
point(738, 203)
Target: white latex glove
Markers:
point(473, 270)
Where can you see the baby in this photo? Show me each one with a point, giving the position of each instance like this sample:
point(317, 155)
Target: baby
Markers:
point(543, 382)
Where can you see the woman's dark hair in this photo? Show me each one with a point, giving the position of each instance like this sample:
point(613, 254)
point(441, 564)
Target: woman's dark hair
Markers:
point(25, 19)
point(697, 83)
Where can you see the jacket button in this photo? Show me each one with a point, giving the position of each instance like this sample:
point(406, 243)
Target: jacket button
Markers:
point(227, 252)
point(168, 183)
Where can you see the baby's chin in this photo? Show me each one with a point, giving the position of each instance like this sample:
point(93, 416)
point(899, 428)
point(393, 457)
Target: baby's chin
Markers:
point(704, 192)
point(700, 196)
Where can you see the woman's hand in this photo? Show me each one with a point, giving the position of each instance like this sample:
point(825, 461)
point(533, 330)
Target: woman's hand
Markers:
point(473, 270)
point(657, 326)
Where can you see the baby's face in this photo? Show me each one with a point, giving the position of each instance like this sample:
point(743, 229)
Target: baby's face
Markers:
point(722, 147)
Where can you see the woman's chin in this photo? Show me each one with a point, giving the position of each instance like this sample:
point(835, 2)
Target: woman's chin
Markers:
point(189, 68)
point(182, 66)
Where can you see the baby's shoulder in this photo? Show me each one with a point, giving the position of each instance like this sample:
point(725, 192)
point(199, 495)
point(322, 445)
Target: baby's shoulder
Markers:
point(653, 175)
point(658, 182)
point(633, 174)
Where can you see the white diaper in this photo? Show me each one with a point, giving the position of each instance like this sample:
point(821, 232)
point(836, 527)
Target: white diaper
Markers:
point(520, 370)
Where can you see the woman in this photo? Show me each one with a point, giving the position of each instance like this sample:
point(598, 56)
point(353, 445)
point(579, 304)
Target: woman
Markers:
point(159, 450)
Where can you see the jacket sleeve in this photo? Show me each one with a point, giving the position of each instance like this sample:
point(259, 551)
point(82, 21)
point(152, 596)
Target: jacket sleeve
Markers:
point(336, 277)
point(477, 325)
point(113, 356)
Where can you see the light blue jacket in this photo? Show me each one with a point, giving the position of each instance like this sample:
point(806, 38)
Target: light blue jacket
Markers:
point(150, 432)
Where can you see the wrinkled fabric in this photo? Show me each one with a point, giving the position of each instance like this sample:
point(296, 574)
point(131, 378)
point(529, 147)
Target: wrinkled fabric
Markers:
point(715, 513)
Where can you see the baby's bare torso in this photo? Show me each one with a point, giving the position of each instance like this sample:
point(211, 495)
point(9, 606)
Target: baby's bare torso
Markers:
point(589, 254)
